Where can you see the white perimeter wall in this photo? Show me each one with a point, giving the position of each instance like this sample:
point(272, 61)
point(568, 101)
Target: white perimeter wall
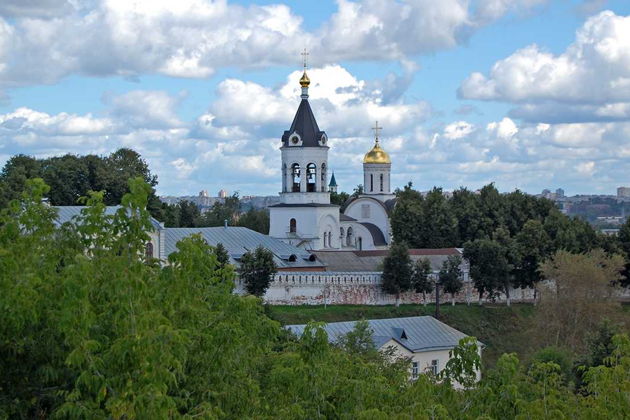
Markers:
point(356, 288)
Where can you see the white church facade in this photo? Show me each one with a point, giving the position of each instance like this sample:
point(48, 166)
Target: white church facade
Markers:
point(305, 216)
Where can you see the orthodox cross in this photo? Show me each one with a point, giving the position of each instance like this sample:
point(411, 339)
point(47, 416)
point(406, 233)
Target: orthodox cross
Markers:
point(304, 55)
point(376, 129)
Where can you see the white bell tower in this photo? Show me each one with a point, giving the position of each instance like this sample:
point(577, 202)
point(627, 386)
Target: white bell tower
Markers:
point(304, 217)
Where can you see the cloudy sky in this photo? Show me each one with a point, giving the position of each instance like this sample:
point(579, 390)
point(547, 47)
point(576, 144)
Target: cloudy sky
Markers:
point(528, 94)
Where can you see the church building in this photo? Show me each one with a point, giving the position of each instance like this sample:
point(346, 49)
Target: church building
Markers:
point(305, 217)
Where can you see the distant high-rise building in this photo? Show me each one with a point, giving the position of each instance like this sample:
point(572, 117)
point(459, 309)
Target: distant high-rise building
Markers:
point(203, 193)
point(623, 192)
point(223, 193)
point(559, 193)
point(545, 192)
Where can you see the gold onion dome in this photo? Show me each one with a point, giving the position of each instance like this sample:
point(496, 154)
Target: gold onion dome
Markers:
point(377, 155)
point(305, 81)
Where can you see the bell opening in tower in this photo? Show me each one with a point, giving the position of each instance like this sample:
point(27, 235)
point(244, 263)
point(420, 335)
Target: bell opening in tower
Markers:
point(295, 170)
point(311, 178)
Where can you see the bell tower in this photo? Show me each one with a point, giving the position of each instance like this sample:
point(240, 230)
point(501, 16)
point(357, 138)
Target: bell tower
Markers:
point(305, 216)
point(377, 167)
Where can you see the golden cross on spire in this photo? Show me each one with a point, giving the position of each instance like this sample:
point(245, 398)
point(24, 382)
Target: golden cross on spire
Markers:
point(304, 55)
point(376, 129)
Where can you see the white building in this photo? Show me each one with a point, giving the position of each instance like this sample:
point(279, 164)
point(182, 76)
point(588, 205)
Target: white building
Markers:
point(424, 340)
point(305, 217)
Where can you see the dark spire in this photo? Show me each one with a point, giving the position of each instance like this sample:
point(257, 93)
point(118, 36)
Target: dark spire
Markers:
point(333, 181)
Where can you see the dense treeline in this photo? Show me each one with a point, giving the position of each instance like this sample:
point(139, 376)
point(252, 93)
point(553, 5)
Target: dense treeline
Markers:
point(91, 328)
point(506, 237)
point(71, 177)
point(187, 214)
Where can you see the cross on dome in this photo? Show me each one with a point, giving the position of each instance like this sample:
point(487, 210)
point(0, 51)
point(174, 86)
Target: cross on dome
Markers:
point(376, 129)
point(304, 55)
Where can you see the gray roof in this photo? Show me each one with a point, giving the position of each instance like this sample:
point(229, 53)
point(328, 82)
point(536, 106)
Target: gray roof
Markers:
point(373, 260)
point(417, 333)
point(238, 240)
point(70, 213)
point(377, 234)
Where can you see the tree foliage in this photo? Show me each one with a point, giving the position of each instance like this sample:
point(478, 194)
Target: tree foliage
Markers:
point(397, 270)
point(580, 293)
point(256, 270)
point(89, 328)
point(421, 278)
point(451, 276)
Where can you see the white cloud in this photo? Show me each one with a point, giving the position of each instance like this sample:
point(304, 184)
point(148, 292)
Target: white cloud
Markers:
point(595, 69)
point(192, 38)
point(504, 129)
point(234, 145)
point(457, 130)
point(142, 108)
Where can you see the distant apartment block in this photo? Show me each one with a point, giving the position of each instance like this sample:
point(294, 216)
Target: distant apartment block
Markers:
point(623, 192)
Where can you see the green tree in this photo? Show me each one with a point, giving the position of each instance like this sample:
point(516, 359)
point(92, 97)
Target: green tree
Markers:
point(532, 246)
point(439, 227)
point(188, 213)
point(254, 219)
point(397, 271)
point(624, 242)
point(257, 270)
point(451, 276)
point(407, 217)
point(465, 208)
point(489, 266)
point(580, 296)
point(339, 198)
point(223, 258)
point(464, 363)
point(421, 278)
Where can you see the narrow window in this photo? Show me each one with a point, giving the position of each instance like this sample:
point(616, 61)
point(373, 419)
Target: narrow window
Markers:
point(371, 182)
point(381, 182)
point(414, 370)
point(292, 226)
point(435, 367)
point(349, 237)
point(148, 250)
point(360, 243)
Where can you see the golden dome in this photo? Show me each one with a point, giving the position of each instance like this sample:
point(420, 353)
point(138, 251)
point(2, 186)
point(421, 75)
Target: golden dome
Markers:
point(305, 81)
point(376, 155)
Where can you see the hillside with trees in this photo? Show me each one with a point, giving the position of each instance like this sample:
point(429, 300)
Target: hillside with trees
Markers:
point(92, 328)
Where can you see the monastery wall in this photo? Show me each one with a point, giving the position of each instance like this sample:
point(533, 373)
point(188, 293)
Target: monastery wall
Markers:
point(357, 288)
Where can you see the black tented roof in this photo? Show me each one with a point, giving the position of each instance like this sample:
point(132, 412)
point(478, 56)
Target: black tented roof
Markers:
point(305, 125)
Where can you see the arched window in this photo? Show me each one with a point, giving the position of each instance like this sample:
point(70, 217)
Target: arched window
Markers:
point(323, 177)
point(311, 177)
point(284, 177)
point(292, 226)
point(329, 239)
point(360, 243)
point(295, 172)
point(381, 182)
point(148, 250)
point(371, 182)
point(349, 237)
point(341, 231)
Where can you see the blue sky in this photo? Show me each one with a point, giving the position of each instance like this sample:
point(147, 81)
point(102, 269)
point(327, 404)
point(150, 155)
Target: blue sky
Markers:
point(528, 94)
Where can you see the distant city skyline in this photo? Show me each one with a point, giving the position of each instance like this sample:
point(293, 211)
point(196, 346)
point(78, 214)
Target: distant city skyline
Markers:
point(529, 94)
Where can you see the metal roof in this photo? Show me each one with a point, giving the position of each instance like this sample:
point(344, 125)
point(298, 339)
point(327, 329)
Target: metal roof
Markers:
point(238, 240)
point(377, 234)
point(372, 260)
point(70, 213)
point(423, 333)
